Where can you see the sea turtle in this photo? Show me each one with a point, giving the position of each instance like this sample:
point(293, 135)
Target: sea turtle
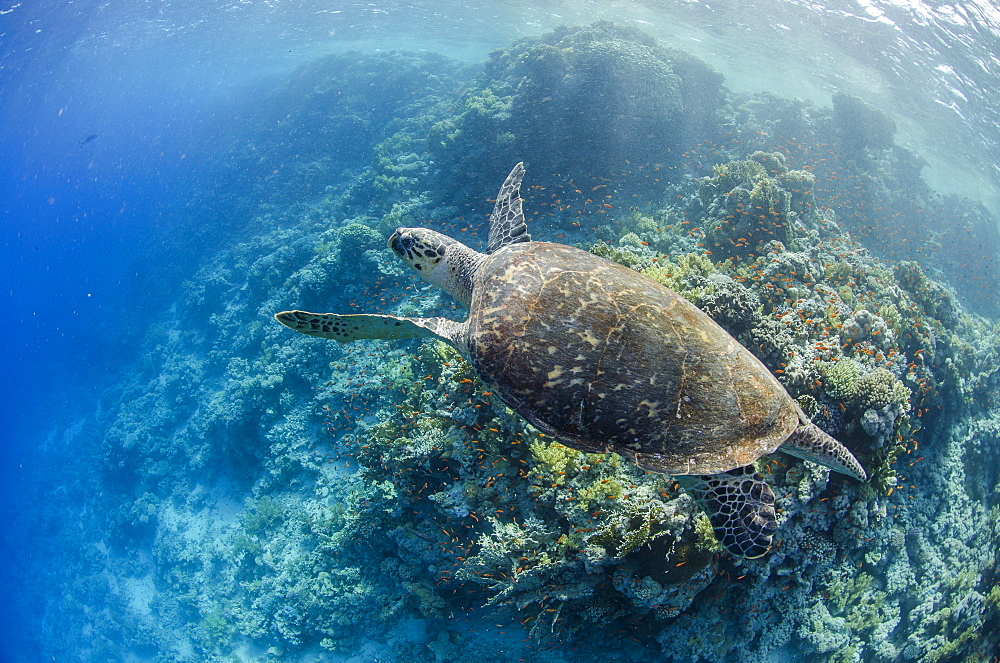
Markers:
point(605, 359)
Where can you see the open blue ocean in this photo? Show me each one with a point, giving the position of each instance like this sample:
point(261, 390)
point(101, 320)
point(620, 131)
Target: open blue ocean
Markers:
point(713, 377)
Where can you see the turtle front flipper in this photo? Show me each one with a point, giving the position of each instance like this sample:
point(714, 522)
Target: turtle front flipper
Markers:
point(353, 327)
point(809, 442)
point(740, 505)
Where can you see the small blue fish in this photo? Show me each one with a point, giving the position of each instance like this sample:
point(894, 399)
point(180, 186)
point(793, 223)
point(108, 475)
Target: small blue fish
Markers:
point(86, 140)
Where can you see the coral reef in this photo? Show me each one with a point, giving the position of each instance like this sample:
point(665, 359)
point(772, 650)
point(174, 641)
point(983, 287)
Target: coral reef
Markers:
point(250, 494)
point(755, 201)
point(579, 104)
point(860, 126)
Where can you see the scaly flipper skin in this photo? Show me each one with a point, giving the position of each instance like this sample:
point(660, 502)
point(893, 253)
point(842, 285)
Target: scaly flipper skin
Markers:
point(345, 328)
point(808, 442)
point(740, 505)
point(507, 221)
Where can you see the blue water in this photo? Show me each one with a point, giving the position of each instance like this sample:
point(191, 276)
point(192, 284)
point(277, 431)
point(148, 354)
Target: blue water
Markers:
point(140, 140)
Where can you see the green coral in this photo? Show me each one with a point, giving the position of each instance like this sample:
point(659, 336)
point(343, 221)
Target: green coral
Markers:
point(623, 255)
point(879, 389)
point(840, 379)
point(705, 534)
point(217, 629)
point(480, 126)
point(553, 460)
point(686, 274)
point(844, 592)
point(262, 515)
point(653, 233)
point(356, 238)
point(993, 597)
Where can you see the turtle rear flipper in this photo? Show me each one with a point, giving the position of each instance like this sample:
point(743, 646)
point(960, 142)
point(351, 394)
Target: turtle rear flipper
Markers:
point(740, 505)
point(352, 327)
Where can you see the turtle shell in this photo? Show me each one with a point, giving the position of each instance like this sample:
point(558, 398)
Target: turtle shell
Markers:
point(605, 359)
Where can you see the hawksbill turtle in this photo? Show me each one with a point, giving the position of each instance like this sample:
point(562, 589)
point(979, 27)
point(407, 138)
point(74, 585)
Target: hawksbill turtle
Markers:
point(605, 359)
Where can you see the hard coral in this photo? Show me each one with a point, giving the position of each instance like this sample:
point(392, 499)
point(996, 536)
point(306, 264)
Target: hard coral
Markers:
point(735, 307)
point(840, 379)
point(583, 102)
point(879, 389)
point(861, 128)
point(746, 206)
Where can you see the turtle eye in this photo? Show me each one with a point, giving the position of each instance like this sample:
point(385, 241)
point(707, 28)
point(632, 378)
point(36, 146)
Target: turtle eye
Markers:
point(402, 242)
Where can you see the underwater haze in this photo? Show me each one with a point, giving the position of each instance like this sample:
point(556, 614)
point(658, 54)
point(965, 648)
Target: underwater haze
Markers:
point(185, 479)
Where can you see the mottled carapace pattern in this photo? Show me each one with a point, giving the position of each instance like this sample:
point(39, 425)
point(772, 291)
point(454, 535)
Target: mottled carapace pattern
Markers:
point(607, 360)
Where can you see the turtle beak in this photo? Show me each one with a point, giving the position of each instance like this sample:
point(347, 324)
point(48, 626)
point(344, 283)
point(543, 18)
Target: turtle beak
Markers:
point(401, 242)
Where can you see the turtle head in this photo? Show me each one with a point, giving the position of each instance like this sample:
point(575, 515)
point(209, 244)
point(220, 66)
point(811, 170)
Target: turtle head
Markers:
point(445, 262)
